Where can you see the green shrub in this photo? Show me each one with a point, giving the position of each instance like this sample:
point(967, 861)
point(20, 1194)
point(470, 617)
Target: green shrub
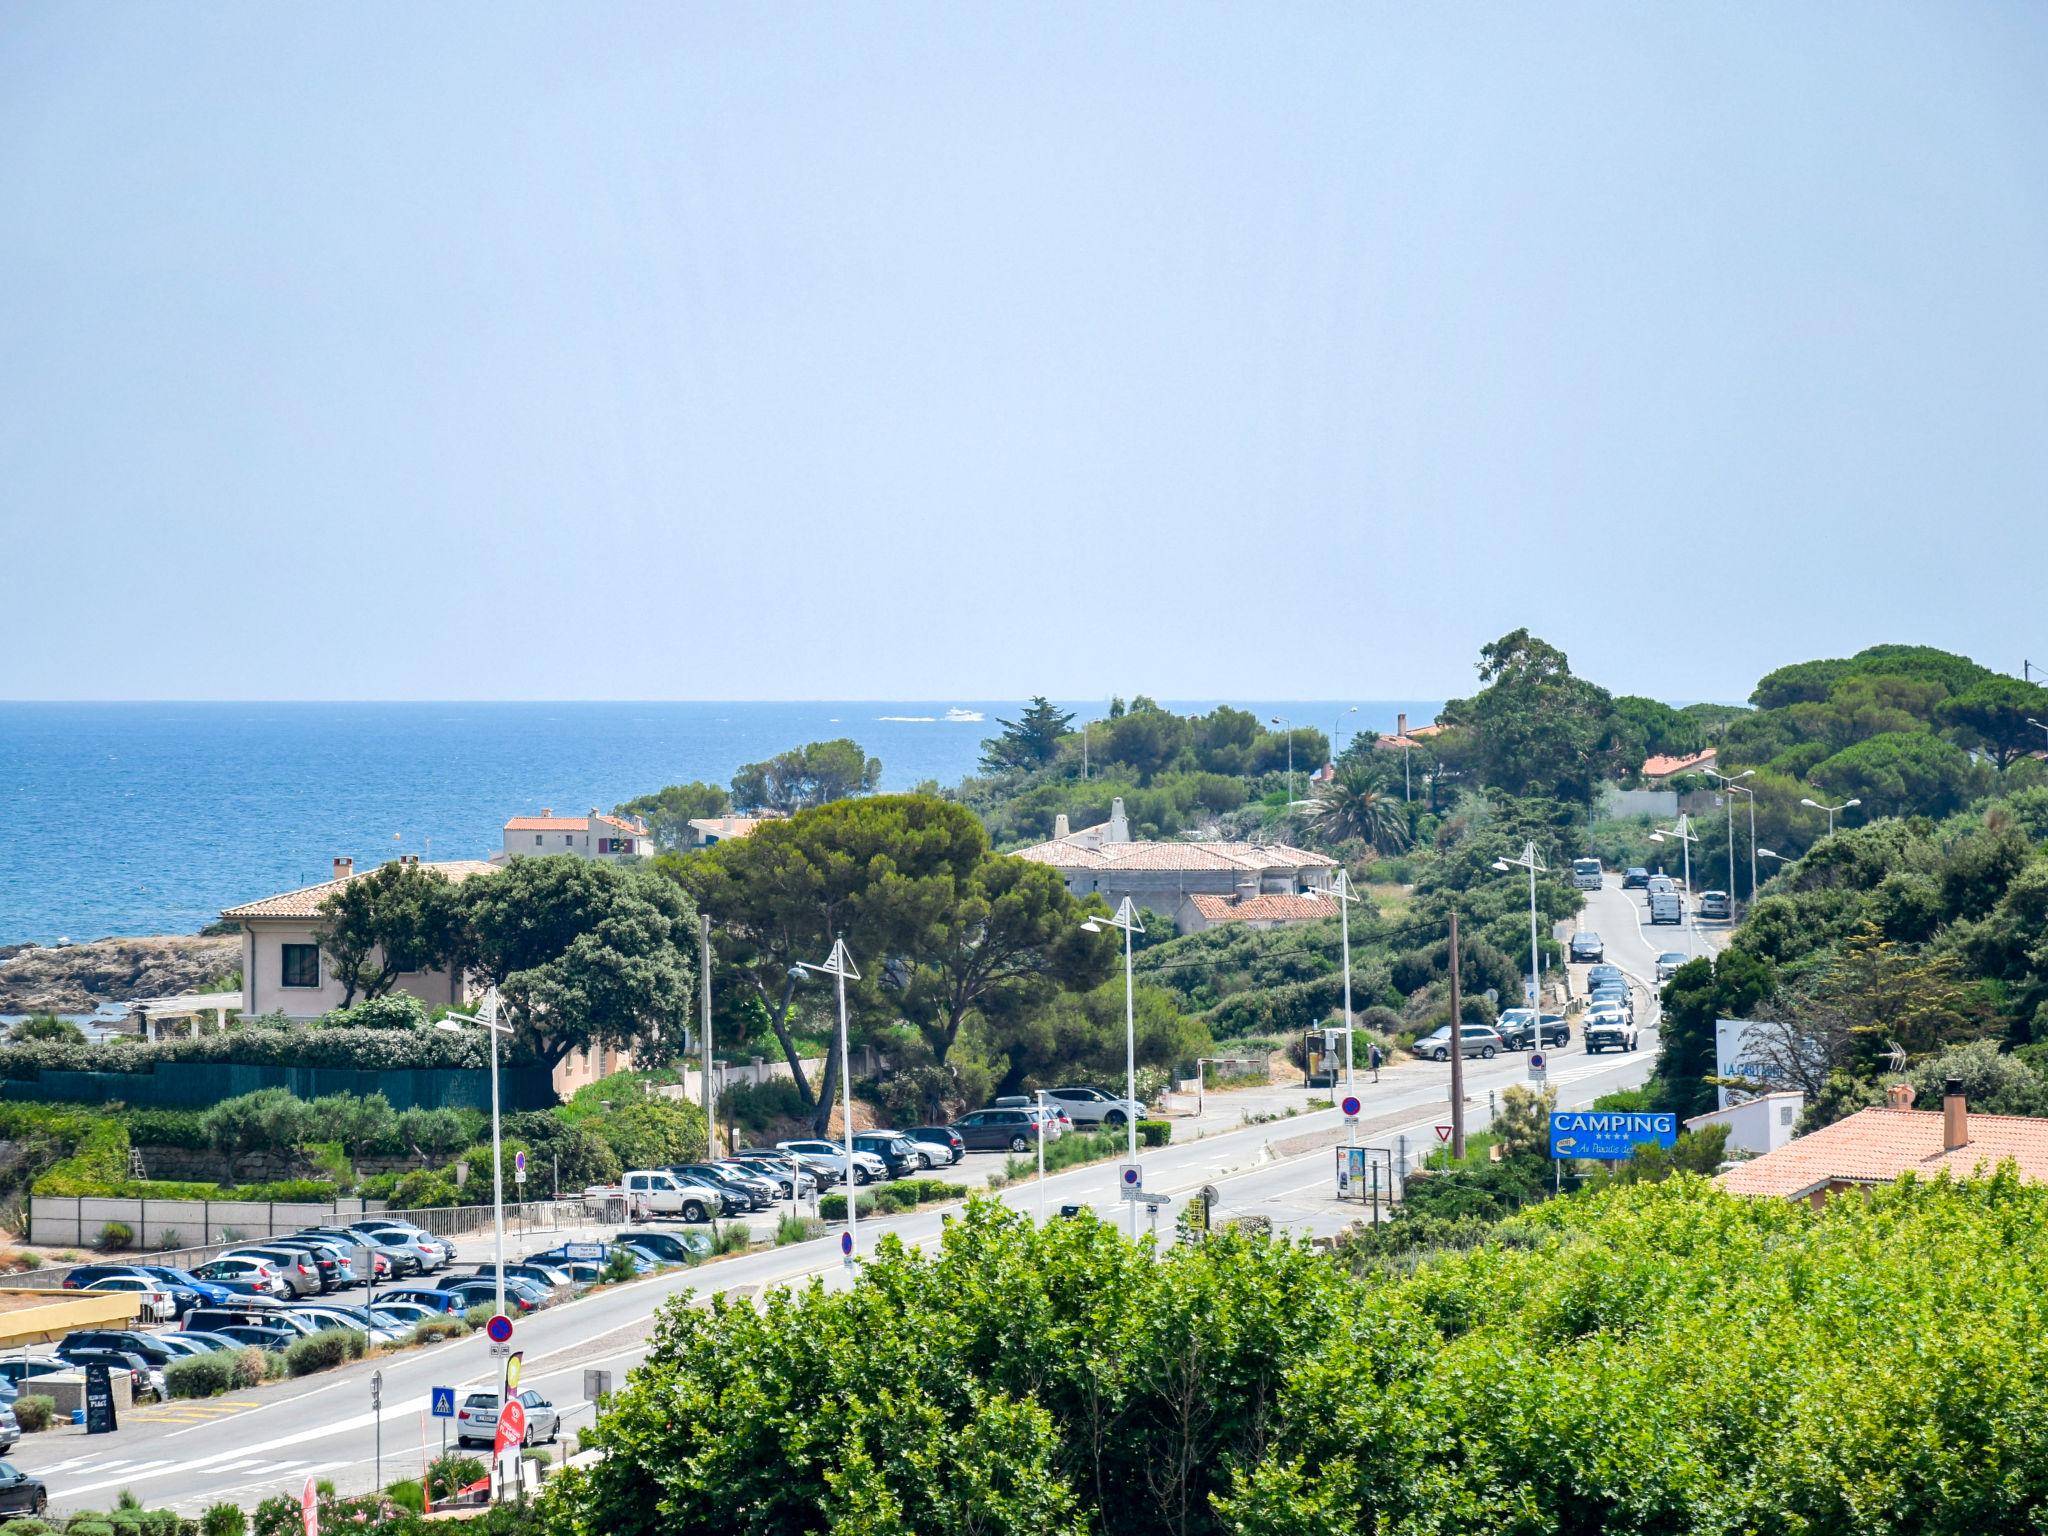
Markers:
point(168, 1239)
point(539, 1454)
point(224, 1520)
point(833, 1207)
point(1070, 1151)
point(433, 1329)
point(409, 1494)
point(477, 1316)
point(446, 1475)
point(27, 1525)
point(251, 1366)
point(324, 1350)
point(35, 1413)
point(733, 1237)
point(153, 1127)
point(115, 1234)
point(89, 1525)
point(278, 1515)
point(161, 1522)
point(1154, 1133)
point(285, 1192)
point(618, 1265)
point(798, 1229)
point(206, 1375)
point(425, 1189)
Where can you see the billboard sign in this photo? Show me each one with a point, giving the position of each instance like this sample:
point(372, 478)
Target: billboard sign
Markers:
point(1609, 1134)
point(1735, 1055)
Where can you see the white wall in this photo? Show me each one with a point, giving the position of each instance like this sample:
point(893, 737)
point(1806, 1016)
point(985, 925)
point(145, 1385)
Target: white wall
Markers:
point(264, 991)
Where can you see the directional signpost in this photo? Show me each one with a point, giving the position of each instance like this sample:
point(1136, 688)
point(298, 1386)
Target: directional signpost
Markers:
point(591, 1251)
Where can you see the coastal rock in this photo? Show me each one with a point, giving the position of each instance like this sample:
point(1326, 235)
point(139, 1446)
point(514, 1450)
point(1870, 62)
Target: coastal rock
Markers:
point(80, 977)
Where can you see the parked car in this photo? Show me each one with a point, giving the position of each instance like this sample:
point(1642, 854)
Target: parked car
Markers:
point(657, 1192)
point(1587, 948)
point(1052, 1107)
point(1714, 905)
point(477, 1419)
point(127, 1340)
point(940, 1138)
point(244, 1277)
point(19, 1368)
point(791, 1181)
point(1634, 878)
point(275, 1340)
point(10, 1431)
point(545, 1276)
point(158, 1305)
point(866, 1166)
point(671, 1247)
point(220, 1319)
point(294, 1266)
point(20, 1493)
point(474, 1292)
point(896, 1150)
point(404, 1315)
point(1479, 1040)
point(431, 1297)
point(1092, 1106)
point(997, 1130)
point(397, 1251)
point(1515, 1031)
point(351, 1319)
point(383, 1265)
point(182, 1282)
point(1609, 1028)
point(334, 1263)
point(186, 1344)
point(740, 1191)
point(146, 1377)
point(429, 1252)
point(1668, 963)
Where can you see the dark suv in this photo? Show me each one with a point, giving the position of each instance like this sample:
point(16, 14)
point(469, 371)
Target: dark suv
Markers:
point(1514, 1030)
point(1635, 878)
point(893, 1148)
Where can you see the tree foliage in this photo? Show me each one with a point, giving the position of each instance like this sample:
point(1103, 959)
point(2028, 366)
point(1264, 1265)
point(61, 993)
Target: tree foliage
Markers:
point(398, 919)
point(669, 812)
point(1030, 741)
point(1535, 729)
point(807, 776)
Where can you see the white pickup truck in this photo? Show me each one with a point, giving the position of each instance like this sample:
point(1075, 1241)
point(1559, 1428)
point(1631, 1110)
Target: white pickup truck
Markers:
point(657, 1192)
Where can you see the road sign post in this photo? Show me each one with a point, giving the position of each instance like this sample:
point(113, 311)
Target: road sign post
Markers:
point(444, 1410)
point(377, 1409)
point(1538, 1067)
point(1130, 1181)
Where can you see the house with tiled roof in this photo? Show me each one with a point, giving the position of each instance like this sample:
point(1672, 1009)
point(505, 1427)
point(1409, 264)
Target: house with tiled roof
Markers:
point(595, 836)
point(1876, 1146)
point(1659, 770)
point(283, 969)
point(1273, 881)
point(706, 830)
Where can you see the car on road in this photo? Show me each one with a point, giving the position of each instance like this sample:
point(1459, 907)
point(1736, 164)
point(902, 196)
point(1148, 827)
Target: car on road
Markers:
point(1092, 1106)
point(940, 1138)
point(1668, 963)
point(20, 1493)
point(1604, 971)
point(1514, 1030)
point(477, 1419)
point(1617, 993)
point(896, 1150)
point(1658, 884)
point(1587, 948)
point(157, 1303)
point(1000, 1130)
point(1634, 878)
point(1609, 1028)
point(1714, 906)
point(866, 1166)
point(1664, 908)
point(1587, 874)
point(1480, 1040)
point(244, 1277)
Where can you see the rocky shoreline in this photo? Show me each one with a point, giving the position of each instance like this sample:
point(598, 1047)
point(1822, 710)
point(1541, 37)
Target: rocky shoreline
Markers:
point(80, 977)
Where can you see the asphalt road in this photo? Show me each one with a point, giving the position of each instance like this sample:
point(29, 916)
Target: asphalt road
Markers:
point(248, 1445)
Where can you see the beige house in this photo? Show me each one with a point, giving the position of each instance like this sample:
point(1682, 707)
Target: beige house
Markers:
point(1197, 884)
point(283, 970)
point(595, 836)
point(706, 830)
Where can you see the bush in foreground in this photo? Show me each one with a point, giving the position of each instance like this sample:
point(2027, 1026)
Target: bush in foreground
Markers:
point(206, 1375)
point(1747, 1358)
point(324, 1350)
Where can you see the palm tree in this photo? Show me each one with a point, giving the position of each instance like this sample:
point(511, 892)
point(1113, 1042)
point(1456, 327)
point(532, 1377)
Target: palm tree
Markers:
point(1356, 804)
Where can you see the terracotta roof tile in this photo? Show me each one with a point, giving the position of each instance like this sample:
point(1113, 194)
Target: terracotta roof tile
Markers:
point(1663, 767)
point(1068, 854)
point(1268, 908)
point(305, 902)
point(1875, 1146)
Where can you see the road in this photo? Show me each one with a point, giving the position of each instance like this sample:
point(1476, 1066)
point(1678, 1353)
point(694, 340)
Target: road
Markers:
point(248, 1445)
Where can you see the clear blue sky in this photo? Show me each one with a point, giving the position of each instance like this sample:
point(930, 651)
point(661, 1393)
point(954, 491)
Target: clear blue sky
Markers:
point(788, 351)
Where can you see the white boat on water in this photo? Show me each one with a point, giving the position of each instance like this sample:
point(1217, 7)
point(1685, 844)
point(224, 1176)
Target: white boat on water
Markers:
point(958, 716)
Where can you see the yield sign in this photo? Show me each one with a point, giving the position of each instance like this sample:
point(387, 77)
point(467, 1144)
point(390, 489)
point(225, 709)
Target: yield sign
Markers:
point(1443, 1133)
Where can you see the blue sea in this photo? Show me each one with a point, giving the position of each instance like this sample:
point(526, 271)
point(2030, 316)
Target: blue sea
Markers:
point(150, 818)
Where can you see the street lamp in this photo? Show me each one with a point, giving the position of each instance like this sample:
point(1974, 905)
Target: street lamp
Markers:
point(486, 1016)
point(1126, 918)
point(1830, 809)
point(1343, 895)
point(1728, 782)
point(1531, 861)
point(1768, 853)
point(1684, 833)
point(2037, 725)
point(1333, 730)
point(839, 965)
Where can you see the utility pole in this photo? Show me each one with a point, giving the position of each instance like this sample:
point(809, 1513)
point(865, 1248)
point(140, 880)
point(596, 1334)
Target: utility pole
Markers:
point(704, 1012)
point(1458, 1053)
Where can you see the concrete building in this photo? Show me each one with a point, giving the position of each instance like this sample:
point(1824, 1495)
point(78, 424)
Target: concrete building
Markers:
point(595, 836)
point(1875, 1146)
point(283, 970)
point(1759, 1125)
point(1196, 884)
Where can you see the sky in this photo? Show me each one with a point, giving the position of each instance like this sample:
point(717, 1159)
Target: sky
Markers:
point(922, 351)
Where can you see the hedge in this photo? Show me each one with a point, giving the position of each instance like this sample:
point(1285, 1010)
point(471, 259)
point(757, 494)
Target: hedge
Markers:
point(903, 1195)
point(363, 1050)
point(206, 1375)
point(1154, 1133)
point(323, 1350)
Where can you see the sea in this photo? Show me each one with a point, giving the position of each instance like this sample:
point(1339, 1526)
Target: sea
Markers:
point(147, 818)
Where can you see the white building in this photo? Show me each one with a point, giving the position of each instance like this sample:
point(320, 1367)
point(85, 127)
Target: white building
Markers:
point(595, 836)
point(1759, 1125)
point(283, 970)
point(1198, 885)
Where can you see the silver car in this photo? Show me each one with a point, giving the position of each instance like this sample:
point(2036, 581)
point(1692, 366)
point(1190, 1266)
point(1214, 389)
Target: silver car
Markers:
point(1091, 1106)
point(477, 1419)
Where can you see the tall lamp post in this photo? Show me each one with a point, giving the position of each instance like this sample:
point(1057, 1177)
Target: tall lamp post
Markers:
point(1533, 862)
point(1288, 727)
point(839, 966)
point(1343, 895)
point(486, 1016)
point(1830, 809)
point(1684, 833)
point(1729, 782)
point(1334, 724)
point(1126, 918)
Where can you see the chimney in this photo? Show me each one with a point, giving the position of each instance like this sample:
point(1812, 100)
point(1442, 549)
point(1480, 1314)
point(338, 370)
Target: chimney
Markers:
point(343, 868)
point(593, 810)
point(1400, 723)
point(1059, 827)
point(547, 810)
point(1119, 824)
point(1899, 1096)
point(1955, 1116)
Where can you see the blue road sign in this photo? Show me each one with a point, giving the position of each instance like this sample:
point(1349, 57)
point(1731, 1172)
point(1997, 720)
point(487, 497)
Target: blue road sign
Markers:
point(1350, 1106)
point(444, 1402)
point(846, 1244)
point(499, 1328)
point(1608, 1133)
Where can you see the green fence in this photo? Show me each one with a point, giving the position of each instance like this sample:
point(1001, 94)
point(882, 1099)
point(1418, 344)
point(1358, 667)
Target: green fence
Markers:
point(198, 1084)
